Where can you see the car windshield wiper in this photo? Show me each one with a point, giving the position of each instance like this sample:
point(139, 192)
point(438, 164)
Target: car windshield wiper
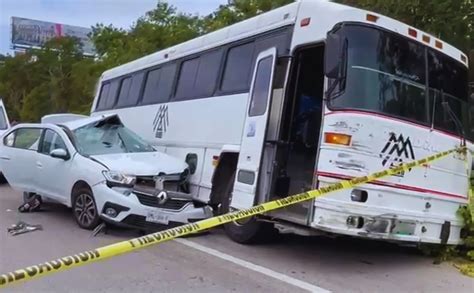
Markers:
point(107, 144)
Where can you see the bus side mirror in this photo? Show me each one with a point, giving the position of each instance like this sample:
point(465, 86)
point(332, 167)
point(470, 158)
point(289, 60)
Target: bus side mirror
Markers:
point(333, 61)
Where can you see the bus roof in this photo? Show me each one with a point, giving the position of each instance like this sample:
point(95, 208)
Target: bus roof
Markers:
point(328, 12)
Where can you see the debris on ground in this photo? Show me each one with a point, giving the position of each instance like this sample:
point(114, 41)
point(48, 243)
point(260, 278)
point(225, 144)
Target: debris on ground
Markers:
point(22, 228)
point(101, 228)
point(33, 204)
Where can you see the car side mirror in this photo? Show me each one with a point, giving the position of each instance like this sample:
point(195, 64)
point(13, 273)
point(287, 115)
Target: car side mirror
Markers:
point(60, 154)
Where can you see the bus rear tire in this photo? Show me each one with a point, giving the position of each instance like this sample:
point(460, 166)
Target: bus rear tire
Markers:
point(249, 230)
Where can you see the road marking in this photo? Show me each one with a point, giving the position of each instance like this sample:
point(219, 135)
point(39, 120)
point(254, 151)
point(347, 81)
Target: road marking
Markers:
point(251, 266)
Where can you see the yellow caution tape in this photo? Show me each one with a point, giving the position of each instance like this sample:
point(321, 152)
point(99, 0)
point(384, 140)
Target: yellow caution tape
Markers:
point(68, 262)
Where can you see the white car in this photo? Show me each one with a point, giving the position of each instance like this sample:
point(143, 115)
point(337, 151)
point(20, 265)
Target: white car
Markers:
point(102, 170)
point(4, 125)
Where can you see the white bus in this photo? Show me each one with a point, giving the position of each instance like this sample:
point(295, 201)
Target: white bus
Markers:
point(301, 97)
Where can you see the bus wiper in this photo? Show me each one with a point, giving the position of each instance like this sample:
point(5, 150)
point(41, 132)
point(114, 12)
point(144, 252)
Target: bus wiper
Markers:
point(338, 81)
point(460, 130)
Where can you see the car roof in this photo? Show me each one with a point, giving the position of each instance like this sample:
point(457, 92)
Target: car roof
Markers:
point(78, 123)
point(72, 125)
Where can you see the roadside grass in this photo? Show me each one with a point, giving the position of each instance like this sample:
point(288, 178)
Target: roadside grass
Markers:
point(466, 264)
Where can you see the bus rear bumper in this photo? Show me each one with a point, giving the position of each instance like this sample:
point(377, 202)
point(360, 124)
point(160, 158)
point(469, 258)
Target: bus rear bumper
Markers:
point(385, 226)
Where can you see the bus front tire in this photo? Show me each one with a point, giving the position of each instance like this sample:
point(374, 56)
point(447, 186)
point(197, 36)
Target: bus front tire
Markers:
point(246, 231)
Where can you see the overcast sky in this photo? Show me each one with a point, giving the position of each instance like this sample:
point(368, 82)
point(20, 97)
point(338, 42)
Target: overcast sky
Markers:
point(120, 13)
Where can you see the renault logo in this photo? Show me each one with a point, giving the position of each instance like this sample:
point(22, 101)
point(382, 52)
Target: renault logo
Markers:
point(162, 197)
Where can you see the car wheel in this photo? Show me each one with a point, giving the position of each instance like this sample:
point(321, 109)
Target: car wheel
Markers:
point(85, 209)
point(248, 230)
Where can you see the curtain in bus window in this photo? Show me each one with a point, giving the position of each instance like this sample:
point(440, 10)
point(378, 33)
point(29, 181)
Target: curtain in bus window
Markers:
point(130, 90)
point(237, 69)
point(261, 87)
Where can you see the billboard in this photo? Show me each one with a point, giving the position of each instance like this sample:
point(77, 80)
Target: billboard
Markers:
point(30, 33)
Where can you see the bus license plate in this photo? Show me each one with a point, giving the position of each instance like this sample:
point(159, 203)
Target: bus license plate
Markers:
point(157, 217)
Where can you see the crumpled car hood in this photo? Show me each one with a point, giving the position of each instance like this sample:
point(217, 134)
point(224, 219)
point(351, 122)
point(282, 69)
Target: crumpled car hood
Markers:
point(142, 164)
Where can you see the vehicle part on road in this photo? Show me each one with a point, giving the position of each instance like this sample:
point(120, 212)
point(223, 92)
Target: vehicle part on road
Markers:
point(122, 247)
point(32, 203)
point(101, 228)
point(85, 209)
point(22, 228)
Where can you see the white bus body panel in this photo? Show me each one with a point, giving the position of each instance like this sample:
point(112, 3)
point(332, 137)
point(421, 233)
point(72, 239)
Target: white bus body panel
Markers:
point(420, 200)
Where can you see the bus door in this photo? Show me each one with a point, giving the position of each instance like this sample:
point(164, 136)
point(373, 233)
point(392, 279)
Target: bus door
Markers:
point(300, 133)
point(250, 157)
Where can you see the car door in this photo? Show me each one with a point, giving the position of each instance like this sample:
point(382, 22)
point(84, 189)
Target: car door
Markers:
point(248, 166)
point(53, 174)
point(4, 123)
point(18, 156)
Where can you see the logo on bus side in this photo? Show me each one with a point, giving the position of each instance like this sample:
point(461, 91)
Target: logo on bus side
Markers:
point(161, 121)
point(396, 150)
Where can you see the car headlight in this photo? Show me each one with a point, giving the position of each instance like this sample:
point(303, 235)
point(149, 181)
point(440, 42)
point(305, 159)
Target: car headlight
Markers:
point(115, 178)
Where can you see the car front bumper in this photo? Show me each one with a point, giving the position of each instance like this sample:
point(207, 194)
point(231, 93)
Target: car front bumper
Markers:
point(133, 209)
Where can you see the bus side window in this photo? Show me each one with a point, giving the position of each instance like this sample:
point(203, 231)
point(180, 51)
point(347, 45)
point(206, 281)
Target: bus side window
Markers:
point(186, 79)
point(159, 84)
point(198, 76)
point(236, 76)
point(130, 90)
point(108, 95)
point(206, 79)
point(104, 92)
point(124, 91)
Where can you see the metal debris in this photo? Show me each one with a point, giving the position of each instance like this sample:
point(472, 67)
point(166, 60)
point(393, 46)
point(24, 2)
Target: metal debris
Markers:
point(22, 228)
point(33, 204)
point(101, 228)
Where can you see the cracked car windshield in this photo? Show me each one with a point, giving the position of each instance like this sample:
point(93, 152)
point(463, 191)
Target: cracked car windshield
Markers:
point(109, 138)
point(391, 74)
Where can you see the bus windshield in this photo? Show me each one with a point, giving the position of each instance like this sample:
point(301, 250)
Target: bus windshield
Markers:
point(393, 75)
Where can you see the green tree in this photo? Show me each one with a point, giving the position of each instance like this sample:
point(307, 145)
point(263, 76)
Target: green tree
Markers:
point(57, 78)
point(160, 28)
point(238, 10)
point(450, 20)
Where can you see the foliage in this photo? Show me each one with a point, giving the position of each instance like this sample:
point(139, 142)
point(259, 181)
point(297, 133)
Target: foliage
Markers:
point(450, 20)
point(58, 79)
point(467, 213)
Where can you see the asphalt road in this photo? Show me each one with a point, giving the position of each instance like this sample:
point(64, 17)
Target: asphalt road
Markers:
point(213, 263)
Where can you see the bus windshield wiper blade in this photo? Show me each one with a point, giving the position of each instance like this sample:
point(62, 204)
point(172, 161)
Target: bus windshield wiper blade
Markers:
point(455, 119)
